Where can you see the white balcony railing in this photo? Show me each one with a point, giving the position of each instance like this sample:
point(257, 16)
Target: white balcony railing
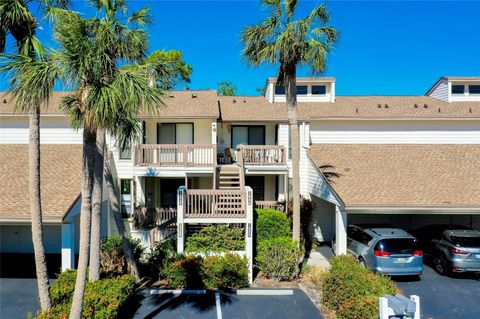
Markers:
point(214, 203)
point(175, 155)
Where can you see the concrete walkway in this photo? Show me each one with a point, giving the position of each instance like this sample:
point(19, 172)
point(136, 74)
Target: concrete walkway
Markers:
point(320, 257)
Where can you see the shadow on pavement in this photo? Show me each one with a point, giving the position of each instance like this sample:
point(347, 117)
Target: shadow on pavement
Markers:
point(200, 302)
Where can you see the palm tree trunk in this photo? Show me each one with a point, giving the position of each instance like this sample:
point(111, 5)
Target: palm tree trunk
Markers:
point(97, 199)
point(36, 210)
point(112, 197)
point(89, 138)
point(292, 109)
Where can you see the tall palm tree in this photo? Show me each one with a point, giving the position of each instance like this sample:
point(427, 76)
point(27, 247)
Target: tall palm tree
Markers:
point(31, 84)
point(90, 50)
point(289, 41)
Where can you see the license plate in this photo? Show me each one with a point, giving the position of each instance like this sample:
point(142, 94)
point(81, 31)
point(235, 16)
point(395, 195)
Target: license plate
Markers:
point(401, 260)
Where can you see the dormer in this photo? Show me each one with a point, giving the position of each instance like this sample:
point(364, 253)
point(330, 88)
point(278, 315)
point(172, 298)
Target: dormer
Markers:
point(456, 89)
point(308, 90)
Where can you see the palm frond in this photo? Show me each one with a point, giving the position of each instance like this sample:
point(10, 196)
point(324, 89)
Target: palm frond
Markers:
point(141, 17)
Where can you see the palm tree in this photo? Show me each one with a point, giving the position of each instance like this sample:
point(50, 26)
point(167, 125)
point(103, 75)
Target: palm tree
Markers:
point(32, 82)
point(90, 49)
point(289, 41)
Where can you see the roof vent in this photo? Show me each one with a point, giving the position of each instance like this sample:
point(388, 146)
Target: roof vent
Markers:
point(439, 110)
point(234, 101)
point(171, 95)
point(244, 101)
point(386, 106)
point(379, 105)
point(194, 96)
point(470, 110)
point(5, 102)
point(416, 106)
point(356, 110)
point(425, 106)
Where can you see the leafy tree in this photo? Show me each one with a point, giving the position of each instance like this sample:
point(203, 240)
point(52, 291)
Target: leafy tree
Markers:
point(226, 88)
point(288, 41)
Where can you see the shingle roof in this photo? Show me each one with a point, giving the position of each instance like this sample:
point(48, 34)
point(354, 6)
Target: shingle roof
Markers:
point(403, 175)
point(189, 104)
point(179, 104)
point(206, 104)
point(60, 180)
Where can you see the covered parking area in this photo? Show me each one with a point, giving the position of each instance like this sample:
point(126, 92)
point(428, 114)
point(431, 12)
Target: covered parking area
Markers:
point(60, 189)
point(406, 185)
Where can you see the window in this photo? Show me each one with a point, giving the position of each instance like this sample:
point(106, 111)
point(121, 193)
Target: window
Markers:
point(126, 153)
point(248, 135)
point(301, 89)
point(125, 196)
point(175, 133)
point(279, 90)
point(125, 185)
point(474, 89)
point(319, 90)
point(458, 89)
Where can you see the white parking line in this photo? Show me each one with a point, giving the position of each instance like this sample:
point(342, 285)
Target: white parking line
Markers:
point(217, 302)
point(265, 292)
point(177, 292)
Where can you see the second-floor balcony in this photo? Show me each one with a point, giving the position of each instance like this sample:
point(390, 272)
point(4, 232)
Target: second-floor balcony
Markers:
point(171, 155)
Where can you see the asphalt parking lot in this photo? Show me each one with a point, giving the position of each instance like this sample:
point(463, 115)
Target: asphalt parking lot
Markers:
point(444, 297)
point(246, 304)
point(18, 298)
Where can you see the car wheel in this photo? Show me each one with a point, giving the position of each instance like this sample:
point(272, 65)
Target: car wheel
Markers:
point(440, 265)
point(362, 262)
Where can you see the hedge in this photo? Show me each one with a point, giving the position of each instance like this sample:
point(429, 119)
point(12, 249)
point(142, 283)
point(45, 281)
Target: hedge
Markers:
point(210, 272)
point(352, 291)
point(270, 224)
point(104, 299)
point(216, 238)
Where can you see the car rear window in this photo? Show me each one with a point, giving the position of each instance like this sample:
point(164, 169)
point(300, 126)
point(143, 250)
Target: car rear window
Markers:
point(466, 241)
point(398, 245)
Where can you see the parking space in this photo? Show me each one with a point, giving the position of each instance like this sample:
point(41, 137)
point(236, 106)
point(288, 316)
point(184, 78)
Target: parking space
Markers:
point(444, 297)
point(251, 303)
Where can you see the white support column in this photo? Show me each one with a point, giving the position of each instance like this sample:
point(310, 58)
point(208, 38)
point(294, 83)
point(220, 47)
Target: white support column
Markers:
point(249, 232)
point(214, 131)
point(340, 231)
point(180, 224)
point(68, 246)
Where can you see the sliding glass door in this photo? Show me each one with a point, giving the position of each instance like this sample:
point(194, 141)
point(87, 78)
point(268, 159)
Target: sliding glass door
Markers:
point(248, 135)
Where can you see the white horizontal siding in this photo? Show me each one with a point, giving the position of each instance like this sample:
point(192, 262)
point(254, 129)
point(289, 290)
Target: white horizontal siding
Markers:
point(53, 130)
point(323, 220)
point(395, 132)
point(441, 91)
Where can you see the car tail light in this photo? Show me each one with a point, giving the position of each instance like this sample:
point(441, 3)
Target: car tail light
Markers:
point(380, 253)
point(458, 252)
point(418, 252)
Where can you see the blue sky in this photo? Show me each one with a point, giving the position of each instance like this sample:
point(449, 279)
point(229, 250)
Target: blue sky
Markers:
point(386, 47)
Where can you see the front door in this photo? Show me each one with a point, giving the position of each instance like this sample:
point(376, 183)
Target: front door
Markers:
point(257, 183)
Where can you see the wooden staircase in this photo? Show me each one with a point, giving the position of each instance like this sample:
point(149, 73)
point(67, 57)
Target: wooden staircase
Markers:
point(229, 177)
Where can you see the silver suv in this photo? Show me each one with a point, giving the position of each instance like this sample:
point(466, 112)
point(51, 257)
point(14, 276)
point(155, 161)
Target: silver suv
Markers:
point(452, 248)
point(384, 249)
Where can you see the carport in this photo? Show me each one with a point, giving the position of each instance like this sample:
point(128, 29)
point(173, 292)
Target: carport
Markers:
point(406, 185)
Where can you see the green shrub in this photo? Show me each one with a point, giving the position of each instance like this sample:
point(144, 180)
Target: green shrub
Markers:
point(271, 224)
point(216, 238)
point(104, 299)
point(159, 254)
point(183, 272)
point(112, 258)
point(306, 212)
point(228, 271)
point(279, 258)
point(211, 272)
point(352, 291)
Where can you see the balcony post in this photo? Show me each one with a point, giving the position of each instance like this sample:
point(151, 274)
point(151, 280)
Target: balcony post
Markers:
point(249, 231)
point(68, 245)
point(340, 231)
point(180, 224)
